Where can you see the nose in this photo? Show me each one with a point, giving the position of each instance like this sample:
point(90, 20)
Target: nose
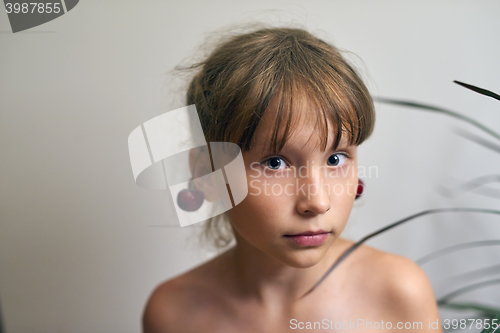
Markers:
point(313, 195)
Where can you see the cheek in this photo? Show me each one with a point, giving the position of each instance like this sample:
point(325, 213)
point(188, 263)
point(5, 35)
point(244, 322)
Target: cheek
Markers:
point(341, 184)
point(261, 210)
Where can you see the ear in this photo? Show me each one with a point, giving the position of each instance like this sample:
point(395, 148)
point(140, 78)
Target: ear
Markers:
point(201, 166)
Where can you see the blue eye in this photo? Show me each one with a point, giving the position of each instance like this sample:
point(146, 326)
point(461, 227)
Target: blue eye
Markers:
point(337, 159)
point(275, 163)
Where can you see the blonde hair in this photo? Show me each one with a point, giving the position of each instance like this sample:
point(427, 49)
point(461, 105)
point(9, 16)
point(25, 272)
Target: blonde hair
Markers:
point(234, 85)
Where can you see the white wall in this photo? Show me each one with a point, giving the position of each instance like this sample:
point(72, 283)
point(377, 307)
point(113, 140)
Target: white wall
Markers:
point(78, 252)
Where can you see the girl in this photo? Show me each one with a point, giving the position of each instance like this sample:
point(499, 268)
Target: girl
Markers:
point(298, 111)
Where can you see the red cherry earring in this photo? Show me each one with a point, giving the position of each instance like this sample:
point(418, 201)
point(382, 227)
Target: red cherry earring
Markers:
point(359, 190)
point(191, 199)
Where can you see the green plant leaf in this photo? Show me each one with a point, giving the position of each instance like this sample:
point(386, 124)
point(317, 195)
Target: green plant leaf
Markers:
point(485, 311)
point(466, 289)
point(479, 90)
point(437, 109)
point(479, 140)
point(458, 247)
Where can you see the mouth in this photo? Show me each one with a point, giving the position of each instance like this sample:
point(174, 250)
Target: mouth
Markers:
point(309, 238)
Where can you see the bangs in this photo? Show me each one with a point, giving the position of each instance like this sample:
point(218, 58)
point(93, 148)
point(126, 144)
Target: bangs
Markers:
point(330, 101)
point(300, 104)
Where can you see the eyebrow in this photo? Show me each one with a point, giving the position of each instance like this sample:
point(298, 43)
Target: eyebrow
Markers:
point(344, 143)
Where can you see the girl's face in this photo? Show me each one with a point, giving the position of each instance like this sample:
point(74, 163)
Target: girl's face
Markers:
point(299, 200)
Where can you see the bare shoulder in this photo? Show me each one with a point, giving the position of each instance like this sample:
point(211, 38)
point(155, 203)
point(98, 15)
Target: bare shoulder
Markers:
point(394, 281)
point(183, 303)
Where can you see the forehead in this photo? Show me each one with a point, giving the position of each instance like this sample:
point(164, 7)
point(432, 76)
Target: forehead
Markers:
point(303, 127)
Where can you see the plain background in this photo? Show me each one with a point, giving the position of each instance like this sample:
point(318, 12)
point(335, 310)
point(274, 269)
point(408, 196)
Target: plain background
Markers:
point(78, 248)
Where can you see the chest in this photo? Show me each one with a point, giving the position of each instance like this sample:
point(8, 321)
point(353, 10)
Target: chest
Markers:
point(327, 311)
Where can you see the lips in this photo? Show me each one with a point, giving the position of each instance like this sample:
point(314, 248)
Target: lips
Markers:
point(309, 238)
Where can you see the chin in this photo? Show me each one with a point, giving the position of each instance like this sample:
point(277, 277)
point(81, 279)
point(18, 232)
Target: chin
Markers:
point(304, 258)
